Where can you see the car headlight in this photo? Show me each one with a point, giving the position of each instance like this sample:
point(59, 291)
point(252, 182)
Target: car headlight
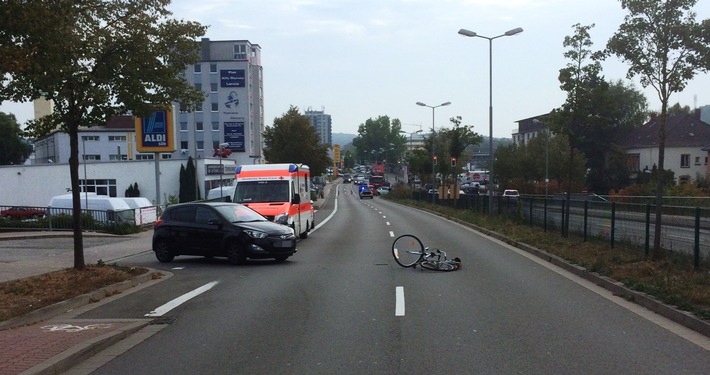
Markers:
point(281, 219)
point(255, 234)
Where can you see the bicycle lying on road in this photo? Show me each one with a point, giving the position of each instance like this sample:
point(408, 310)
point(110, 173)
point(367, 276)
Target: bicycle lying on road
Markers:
point(408, 251)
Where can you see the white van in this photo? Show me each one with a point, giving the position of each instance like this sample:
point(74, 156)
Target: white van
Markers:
point(225, 193)
point(102, 207)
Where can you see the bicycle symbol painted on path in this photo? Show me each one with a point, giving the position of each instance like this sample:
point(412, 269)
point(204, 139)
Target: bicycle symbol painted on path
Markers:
point(73, 328)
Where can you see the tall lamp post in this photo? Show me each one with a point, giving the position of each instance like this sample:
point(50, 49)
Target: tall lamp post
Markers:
point(433, 144)
point(469, 33)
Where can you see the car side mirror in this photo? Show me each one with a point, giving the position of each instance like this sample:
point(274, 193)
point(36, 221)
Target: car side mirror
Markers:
point(296, 199)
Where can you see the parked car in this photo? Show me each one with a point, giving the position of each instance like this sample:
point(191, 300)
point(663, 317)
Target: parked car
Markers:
point(511, 194)
point(220, 229)
point(22, 213)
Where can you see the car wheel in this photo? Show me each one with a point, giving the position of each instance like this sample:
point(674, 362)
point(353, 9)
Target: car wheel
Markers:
point(236, 254)
point(162, 251)
point(304, 235)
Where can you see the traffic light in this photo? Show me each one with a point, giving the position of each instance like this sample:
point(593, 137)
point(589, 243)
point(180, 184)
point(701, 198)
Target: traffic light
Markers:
point(453, 162)
point(434, 159)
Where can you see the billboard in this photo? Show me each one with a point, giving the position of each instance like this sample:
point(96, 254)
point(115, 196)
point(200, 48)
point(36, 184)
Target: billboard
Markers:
point(155, 133)
point(232, 78)
point(234, 135)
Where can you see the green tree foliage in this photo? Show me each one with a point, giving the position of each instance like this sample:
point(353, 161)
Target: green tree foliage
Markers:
point(665, 48)
point(378, 138)
point(94, 59)
point(13, 148)
point(522, 167)
point(192, 189)
point(292, 139)
point(455, 141)
point(133, 191)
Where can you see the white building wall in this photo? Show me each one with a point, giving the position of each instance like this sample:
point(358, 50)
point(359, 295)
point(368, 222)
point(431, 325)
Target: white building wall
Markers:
point(648, 157)
point(35, 185)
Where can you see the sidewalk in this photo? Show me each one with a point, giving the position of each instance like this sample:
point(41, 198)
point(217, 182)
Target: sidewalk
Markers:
point(50, 340)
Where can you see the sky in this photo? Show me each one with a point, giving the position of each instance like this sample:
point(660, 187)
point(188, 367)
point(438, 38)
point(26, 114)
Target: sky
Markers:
point(361, 59)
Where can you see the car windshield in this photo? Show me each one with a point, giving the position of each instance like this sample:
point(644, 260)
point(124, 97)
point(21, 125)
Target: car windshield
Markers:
point(261, 191)
point(237, 213)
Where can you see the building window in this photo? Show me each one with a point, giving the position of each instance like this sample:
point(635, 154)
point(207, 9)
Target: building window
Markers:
point(685, 161)
point(91, 157)
point(200, 145)
point(198, 86)
point(697, 160)
point(215, 125)
point(100, 187)
point(90, 138)
point(199, 126)
point(213, 68)
point(166, 156)
point(117, 157)
point(183, 145)
point(215, 107)
point(183, 126)
point(213, 87)
point(144, 156)
point(116, 138)
point(198, 68)
point(198, 107)
point(633, 161)
point(240, 52)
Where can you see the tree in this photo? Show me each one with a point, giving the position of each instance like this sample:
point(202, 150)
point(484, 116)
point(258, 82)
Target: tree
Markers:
point(457, 139)
point(665, 47)
point(13, 149)
point(580, 78)
point(292, 139)
point(94, 59)
point(378, 137)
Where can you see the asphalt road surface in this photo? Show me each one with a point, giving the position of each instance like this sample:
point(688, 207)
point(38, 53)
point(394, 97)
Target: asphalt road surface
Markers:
point(341, 305)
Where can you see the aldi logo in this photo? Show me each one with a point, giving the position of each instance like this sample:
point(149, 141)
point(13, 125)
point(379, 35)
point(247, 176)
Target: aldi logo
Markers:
point(155, 132)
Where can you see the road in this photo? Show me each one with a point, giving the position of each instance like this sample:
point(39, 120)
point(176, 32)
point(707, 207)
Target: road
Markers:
point(333, 308)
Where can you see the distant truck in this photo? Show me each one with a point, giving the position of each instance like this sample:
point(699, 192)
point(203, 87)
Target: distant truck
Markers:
point(378, 169)
point(279, 192)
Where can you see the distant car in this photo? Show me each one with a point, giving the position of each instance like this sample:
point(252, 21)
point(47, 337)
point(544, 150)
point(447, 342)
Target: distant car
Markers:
point(220, 229)
point(347, 179)
point(383, 190)
point(365, 192)
point(511, 194)
point(22, 213)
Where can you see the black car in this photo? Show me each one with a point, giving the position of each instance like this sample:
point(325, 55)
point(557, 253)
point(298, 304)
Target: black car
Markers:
point(220, 229)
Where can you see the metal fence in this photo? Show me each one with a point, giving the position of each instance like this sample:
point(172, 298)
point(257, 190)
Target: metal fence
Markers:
point(684, 229)
point(60, 219)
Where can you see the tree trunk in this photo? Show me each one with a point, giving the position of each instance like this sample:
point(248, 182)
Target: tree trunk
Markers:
point(76, 200)
point(658, 252)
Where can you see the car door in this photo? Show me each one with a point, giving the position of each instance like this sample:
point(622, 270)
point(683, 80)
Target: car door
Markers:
point(209, 232)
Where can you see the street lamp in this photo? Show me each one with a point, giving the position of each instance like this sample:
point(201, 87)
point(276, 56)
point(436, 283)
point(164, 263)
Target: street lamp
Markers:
point(469, 33)
point(222, 146)
point(433, 143)
point(547, 153)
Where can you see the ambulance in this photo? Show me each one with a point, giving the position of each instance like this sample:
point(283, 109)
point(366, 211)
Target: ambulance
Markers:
point(279, 192)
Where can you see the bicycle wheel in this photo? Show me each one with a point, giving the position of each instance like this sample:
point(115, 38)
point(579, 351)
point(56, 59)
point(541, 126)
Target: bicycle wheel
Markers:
point(436, 265)
point(407, 250)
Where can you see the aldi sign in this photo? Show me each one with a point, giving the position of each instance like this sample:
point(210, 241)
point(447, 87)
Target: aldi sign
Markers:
point(155, 132)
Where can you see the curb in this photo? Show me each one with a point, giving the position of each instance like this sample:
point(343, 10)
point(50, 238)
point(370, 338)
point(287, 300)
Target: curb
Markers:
point(683, 318)
point(62, 307)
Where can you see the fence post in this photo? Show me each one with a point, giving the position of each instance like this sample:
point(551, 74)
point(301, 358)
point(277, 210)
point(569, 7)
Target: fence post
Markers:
point(532, 200)
point(544, 215)
point(648, 230)
point(696, 247)
point(562, 217)
point(586, 217)
point(613, 222)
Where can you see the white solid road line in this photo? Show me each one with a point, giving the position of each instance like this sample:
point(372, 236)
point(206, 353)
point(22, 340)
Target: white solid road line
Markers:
point(399, 301)
point(182, 299)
